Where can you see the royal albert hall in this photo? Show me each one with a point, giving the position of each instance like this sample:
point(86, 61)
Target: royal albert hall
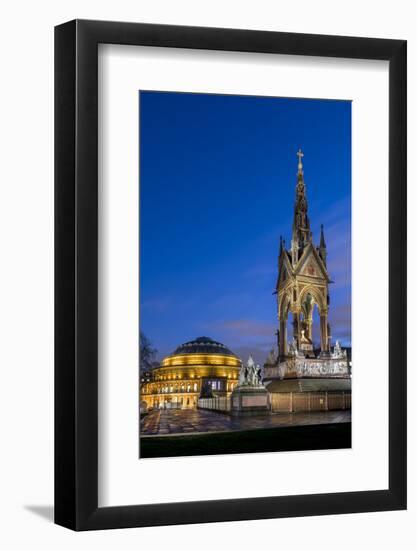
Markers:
point(195, 369)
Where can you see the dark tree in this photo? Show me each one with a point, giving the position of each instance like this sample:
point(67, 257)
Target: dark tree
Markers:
point(147, 353)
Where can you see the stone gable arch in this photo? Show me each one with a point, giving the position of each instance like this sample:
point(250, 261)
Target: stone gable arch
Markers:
point(284, 304)
point(317, 294)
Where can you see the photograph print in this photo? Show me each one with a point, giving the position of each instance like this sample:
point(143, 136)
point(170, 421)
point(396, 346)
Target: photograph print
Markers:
point(245, 274)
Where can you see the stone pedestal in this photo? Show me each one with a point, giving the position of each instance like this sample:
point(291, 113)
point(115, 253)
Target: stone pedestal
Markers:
point(250, 401)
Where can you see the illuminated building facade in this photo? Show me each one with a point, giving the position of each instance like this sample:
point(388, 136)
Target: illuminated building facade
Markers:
point(201, 367)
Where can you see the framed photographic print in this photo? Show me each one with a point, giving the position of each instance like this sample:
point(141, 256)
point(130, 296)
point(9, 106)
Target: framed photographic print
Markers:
point(230, 275)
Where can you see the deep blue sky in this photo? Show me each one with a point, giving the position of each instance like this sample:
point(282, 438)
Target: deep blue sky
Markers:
point(217, 189)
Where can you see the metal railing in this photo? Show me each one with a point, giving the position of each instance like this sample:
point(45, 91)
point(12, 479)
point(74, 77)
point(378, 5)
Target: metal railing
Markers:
point(214, 403)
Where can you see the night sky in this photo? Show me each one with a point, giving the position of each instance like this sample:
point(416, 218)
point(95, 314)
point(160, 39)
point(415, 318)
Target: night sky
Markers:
point(217, 189)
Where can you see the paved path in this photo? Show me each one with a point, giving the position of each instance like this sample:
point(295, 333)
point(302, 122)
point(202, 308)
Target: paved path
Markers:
point(192, 421)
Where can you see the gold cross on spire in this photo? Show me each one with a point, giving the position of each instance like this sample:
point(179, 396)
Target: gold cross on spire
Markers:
point(300, 155)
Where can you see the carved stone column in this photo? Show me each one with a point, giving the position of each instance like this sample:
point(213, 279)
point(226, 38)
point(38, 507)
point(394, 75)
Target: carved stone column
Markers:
point(283, 337)
point(324, 340)
point(309, 325)
point(297, 327)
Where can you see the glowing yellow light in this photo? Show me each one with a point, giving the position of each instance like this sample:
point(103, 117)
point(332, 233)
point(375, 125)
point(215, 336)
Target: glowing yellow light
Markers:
point(200, 359)
point(188, 368)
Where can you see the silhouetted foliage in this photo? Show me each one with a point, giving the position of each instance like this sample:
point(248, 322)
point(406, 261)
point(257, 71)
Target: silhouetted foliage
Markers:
point(147, 353)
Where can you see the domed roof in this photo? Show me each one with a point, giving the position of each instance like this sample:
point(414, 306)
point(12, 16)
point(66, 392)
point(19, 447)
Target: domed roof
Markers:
point(203, 344)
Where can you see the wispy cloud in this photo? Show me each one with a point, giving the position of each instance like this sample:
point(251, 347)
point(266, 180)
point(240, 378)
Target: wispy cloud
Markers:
point(340, 209)
point(340, 319)
point(247, 336)
point(259, 353)
point(245, 327)
point(266, 270)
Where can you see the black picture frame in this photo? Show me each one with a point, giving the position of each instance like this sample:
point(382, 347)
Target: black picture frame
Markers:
point(76, 272)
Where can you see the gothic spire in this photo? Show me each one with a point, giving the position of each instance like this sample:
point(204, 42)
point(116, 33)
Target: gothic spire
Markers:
point(322, 247)
point(322, 241)
point(301, 233)
point(300, 155)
